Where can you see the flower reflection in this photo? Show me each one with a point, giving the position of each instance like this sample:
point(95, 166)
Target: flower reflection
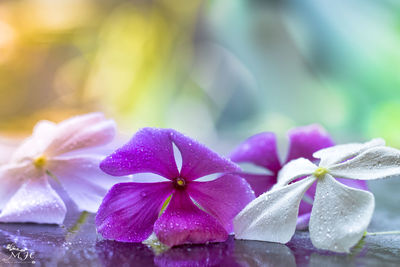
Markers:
point(230, 253)
point(213, 254)
point(255, 253)
point(113, 253)
point(44, 242)
point(70, 245)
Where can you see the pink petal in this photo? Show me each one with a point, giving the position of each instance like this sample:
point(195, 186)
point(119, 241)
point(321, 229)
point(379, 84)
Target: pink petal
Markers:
point(260, 183)
point(260, 149)
point(182, 222)
point(223, 198)
point(35, 202)
point(304, 141)
point(35, 145)
point(81, 132)
point(12, 176)
point(83, 180)
point(198, 160)
point(129, 210)
point(149, 150)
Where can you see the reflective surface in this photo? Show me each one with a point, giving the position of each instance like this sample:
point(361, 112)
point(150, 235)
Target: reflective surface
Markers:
point(77, 244)
point(55, 246)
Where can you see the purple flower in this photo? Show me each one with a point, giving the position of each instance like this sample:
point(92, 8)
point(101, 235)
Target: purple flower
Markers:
point(198, 211)
point(261, 151)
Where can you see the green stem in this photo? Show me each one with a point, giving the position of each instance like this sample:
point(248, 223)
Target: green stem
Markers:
point(385, 233)
point(81, 220)
point(53, 176)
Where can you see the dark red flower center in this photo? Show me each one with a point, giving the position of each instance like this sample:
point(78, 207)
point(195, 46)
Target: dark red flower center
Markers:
point(180, 183)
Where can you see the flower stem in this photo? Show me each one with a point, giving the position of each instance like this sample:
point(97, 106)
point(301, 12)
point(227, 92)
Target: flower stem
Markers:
point(385, 233)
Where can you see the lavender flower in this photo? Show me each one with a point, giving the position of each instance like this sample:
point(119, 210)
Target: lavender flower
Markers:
point(198, 211)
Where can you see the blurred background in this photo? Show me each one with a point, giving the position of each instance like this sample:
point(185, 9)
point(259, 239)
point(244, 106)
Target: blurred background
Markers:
point(218, 70)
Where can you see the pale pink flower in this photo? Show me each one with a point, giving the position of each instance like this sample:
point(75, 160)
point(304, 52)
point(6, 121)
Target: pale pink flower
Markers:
point(68, 152)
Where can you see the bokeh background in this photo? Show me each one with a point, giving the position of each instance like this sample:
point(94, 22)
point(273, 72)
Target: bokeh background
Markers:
point(218, 70)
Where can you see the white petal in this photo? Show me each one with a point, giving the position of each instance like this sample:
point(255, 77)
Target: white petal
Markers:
point(295, 169)
point(375, 163)
point(44, 129)
point(339, 153)
point(12, 176)
point(83, 180)
point(35, 202)
point(340, 215)
point(36, 144)
point(273, 215)
point(81, 132)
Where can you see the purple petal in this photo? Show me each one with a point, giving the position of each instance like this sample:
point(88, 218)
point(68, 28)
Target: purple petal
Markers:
point(149, 150)
point(260, 149)
point(198, 160)
point(306, 140)
point(223, 198)
point(260, 183)
point(305, 208)
point(302, 221)
point(360, 184)
point(182, 222)
point(129, 210)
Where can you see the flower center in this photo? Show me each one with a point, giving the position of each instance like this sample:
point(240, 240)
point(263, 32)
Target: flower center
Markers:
point(180, 183)
point(40, 161)
point(320, 172)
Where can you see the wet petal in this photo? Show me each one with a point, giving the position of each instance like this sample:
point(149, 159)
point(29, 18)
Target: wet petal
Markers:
point(375, 163)
point(306, 205)
point(182, 222)
point(198, 160)
point(12, 176)
point(273, 215)
point(340, 153)
point(223, 198)
point(149, 150)
point(295, 169)
point(35, 202)
point(259, 149)
point(260, 183)
point(340, 215)
point(129, 210)
point(35, 145)
point(304, 141)
point(79, 132)
point(83, 180)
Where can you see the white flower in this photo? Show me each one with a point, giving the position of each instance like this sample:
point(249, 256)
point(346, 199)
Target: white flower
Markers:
point(68, 152)
point(340, 214)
